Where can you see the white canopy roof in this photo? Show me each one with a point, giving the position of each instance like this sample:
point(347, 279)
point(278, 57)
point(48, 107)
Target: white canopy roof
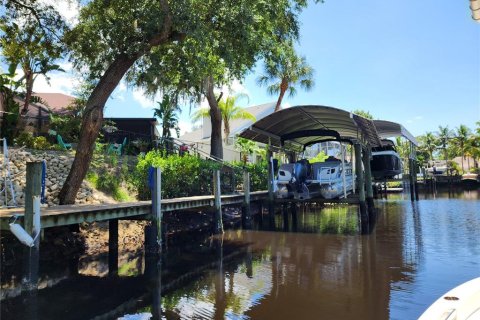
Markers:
point(300, 126)
point(388, 129)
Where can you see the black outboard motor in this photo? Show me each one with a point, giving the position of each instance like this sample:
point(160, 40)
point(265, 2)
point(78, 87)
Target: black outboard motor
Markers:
point(301, 170)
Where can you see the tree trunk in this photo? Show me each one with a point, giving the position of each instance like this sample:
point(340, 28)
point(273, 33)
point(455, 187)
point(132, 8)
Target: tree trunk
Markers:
point(28, 93)
point(91, 124)
point(226, 129)
point(283, 89)
point(216, 147)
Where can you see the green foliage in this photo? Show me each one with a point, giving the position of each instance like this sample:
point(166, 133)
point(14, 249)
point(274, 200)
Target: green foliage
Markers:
point(66, 126)
point(284, 69)
point(363, 113)
point(258, 174)
point(181, 176)
point(246, 147)
point(24, 139)
point(8, 86)
point(320, 157)
point(167, 113)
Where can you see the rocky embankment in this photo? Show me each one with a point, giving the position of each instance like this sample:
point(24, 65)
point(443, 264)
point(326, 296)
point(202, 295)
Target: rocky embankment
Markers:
point(58, 166)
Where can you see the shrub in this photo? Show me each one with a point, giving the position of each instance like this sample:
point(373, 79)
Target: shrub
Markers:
point(41, 143)
point(181, 176)
point(258, 174)
point(24, 139)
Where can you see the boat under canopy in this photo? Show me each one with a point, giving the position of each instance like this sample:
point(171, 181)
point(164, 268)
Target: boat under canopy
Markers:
point(385, 162)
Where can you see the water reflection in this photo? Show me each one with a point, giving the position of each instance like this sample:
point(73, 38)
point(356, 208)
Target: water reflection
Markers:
point(313, 264)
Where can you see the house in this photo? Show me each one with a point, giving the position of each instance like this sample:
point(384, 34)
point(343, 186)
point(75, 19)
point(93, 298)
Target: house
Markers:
point(37, 118)
point(200, 137)
point(138, 130)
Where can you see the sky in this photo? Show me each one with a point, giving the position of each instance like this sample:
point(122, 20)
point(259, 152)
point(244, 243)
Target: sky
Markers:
point(412, 62)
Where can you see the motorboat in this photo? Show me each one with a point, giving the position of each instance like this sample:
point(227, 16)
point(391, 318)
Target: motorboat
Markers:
point(460, 303)
point(436, 167)
point(386, 162)
point(305, 180)
point(471, 179)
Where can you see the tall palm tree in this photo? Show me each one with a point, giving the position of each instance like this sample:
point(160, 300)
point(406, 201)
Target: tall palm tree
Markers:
point(229, 110)
point(444, 134)
point(461, 135)
point(284, 72)
point(429, 144)
point(167, 113)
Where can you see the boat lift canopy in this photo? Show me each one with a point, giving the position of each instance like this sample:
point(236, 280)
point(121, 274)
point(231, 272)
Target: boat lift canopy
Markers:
point(300, 126)
point(388, 129)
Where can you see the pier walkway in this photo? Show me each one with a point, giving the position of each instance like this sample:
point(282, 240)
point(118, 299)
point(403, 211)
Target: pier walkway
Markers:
point(74, 214)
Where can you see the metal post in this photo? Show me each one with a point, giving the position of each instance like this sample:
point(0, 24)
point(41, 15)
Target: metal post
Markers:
point(31, 255)
point(218, 228)
point(361, 187)
point(415, 163)
point(157, 205)
point(271, 209)
point(368, 183)
point(411, 173)
point(354, 178)
point(246, 212)
point(343, 172)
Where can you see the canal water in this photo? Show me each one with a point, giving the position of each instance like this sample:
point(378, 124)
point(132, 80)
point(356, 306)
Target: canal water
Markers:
point(316, 265)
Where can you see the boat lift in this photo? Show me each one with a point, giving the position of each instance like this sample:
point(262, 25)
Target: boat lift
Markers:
point(7, 191)
point(297, 127)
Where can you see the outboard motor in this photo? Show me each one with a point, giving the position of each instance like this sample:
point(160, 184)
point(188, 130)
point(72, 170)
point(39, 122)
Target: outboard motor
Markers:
point(301, 170)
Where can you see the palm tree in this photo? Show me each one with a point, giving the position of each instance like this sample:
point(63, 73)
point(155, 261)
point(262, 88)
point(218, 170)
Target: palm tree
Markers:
point(429, 144)
point(229, 110)
point(444, 134)
point(461, 136)
point(167, 113)
point(284, 72)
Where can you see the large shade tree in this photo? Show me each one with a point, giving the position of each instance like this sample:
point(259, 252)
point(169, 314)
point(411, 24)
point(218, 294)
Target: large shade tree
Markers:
point(116, 37)
point(284, 70)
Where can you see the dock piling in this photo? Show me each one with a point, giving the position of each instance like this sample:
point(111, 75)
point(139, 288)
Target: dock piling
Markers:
point(271, 197)
point(157, 206)
point(368, 183)
point(112, 247)
point(246, 211)
point(218, 227)
point(31, 254)
point(361, 187)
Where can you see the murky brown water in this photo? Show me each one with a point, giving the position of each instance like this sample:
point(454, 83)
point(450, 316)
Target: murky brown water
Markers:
point(321, 268)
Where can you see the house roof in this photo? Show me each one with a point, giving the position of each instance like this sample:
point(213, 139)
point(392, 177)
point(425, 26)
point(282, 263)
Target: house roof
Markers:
point(56, 102)
point(300, 126)
point(236, 126)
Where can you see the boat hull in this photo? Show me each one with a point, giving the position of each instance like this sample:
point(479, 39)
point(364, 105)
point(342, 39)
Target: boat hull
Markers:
point(385, 165)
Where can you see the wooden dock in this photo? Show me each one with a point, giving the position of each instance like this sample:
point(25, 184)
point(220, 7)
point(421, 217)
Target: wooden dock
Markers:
point(74, 214)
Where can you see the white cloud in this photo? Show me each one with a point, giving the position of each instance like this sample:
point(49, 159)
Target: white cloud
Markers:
point(144, 101)
point(286, 105)
point(60, 82)
point(68, 9)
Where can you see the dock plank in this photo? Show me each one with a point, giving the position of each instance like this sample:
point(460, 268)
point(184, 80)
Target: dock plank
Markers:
point(73, 214)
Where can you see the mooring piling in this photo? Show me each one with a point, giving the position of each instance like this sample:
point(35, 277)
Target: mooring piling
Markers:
point(218, 223)
point(368, 183)
point(33, 190)
point(271, 196)
point(246, 210)
point(361, 187)
point(113, 247)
